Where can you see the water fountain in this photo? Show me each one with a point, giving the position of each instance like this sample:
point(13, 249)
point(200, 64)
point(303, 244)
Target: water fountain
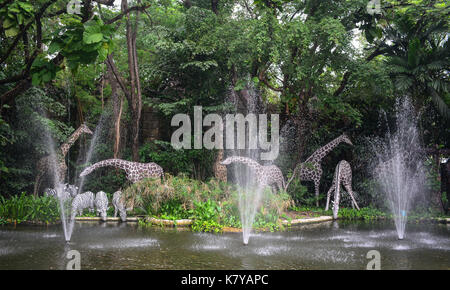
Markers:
point(249, 191)
point(96, 139)
point(399, 160)
point(249, 198)
point(63, 202)
point(65, 199)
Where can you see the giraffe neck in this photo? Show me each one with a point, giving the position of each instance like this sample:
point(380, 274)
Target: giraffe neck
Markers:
point(118, 163)
point(245, 160)
point(69, 142)
point(320, 153)
point(220, 156)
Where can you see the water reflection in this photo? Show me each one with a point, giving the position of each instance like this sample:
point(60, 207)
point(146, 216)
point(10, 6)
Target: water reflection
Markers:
point(127, 246)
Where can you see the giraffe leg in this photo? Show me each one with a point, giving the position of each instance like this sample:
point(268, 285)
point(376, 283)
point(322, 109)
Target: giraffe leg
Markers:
point(280, 186)
point(316, 187)
point(336, 202)
point(329, 194)
point(37, 183)
point(348, 187)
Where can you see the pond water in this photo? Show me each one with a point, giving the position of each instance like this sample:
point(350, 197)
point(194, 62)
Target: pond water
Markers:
point(330, 245)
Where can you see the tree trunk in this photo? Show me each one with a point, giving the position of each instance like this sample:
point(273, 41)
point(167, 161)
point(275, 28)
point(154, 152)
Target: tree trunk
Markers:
point(135, 98)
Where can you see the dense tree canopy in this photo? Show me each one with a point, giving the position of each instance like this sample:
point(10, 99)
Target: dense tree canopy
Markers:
point(325, 66)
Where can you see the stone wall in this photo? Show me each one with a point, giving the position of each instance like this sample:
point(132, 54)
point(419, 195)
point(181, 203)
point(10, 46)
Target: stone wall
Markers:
point(151, 124)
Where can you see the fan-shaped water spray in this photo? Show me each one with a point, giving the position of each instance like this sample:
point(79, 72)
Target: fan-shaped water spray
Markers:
point(399, 164)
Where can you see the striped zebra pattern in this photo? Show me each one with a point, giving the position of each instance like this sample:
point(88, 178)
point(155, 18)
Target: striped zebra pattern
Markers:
point(81, 202)
point(71, 189)
point(118, 206)
point(101, 203)
point(54, 193)
point(50, 192)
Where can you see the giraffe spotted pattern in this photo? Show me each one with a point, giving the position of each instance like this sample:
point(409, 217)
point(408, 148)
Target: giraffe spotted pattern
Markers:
point(311, 169)
point(269, 175)
point(342, 174)
point(220, 171)
point(46, 163)
point(135, 171)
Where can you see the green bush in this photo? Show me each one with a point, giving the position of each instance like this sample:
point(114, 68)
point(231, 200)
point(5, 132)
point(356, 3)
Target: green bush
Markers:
point(366, 213)
point(211, 204)
point(21, 208)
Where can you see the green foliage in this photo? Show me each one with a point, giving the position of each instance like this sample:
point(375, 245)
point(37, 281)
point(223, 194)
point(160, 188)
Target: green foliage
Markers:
point(365, 213)
point(194, 163)
point(211, 205)
point(15, 15)
point(300, 193)
point(21, 208)
point(295, 54)
point(206, 217)
point(43, 70)
point(79, 43)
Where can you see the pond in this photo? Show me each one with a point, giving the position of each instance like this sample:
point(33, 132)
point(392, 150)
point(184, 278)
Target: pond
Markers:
point(330, 245)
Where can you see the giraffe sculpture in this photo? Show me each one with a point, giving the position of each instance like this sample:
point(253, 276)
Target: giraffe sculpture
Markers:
point(269, 175)
point(46, 163)
point(220, 171)
point(135, 171)
point(342, 174)
point(311, 169)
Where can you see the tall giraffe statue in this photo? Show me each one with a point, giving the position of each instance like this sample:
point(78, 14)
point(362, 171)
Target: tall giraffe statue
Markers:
point(342, 174)
point(135, 171)
point(220, 171)
point(311, 169)
point(269, 175)
point(46, 163)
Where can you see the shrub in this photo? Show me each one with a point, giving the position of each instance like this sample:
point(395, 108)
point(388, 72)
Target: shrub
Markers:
point(20, 208)
point(211, 204)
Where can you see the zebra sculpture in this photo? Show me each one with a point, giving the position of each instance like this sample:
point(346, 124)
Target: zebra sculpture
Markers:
point(119, 206)
point(68, 191)
point(71, 189)
point(342, 174)
point(81, 202)
point(101, 204)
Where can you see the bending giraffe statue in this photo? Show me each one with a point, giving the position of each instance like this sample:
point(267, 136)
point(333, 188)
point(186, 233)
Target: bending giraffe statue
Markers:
point(269, 175)
point(44, 164)
point(135, 171)
point(342, 174)
point(311, 170)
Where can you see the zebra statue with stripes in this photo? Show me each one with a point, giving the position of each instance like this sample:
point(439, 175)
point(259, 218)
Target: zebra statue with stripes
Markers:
point(101, 203)
point(63, 195)
point(71, 189)
point(119, 206)
point(81, 202)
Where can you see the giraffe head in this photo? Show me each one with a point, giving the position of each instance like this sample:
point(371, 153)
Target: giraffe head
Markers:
point(226, 161)
point(85, 129)
point(344, 138)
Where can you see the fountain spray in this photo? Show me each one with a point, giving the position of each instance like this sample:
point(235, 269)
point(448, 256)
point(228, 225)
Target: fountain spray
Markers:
point(399, 168)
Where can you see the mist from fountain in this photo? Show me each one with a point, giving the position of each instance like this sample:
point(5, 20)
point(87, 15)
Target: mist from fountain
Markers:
point(96, 139)
point(399, 163)
point(64, 203)
point(249, 193)
point(65, 200)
